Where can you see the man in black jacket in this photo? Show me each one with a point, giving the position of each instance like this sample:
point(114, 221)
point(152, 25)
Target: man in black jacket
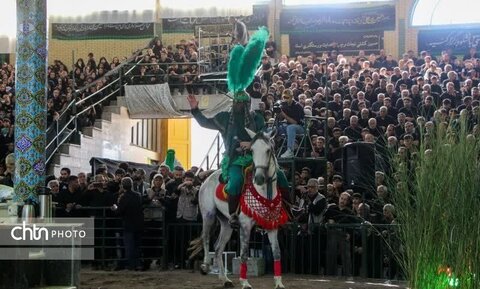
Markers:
point(131, 210)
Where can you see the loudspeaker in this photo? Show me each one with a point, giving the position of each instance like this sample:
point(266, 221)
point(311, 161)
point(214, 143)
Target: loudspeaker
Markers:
point(359, 167)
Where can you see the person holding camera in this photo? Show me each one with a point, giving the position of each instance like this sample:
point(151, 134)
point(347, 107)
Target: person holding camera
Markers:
point(187, 209)
point(292, 112)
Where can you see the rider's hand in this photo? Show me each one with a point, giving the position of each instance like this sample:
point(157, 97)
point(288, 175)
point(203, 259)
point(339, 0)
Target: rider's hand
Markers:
point(192, 101)
point(245, 145)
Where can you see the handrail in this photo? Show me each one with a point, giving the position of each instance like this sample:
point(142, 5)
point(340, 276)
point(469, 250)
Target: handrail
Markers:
point(133, 66)
point(97, 92)
point(117, 69)
point(218, 142)
point(98, 102)
point(61, 131)
point(62, 114)
point(58, 129)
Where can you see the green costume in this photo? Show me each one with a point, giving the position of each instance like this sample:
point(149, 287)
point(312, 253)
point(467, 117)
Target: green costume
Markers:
point(241, 72)
point(234, 160)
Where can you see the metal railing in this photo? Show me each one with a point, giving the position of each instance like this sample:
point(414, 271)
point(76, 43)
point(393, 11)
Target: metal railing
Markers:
point(108, 238)
point(67, 124)
point(363, 249)
point(216, 145)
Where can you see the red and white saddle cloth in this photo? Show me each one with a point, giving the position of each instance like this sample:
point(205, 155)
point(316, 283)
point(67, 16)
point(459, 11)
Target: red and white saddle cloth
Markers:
point(268, 214)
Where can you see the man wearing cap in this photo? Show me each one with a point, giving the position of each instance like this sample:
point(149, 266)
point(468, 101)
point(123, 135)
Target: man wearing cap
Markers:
point(317, 203)
point(292, 112)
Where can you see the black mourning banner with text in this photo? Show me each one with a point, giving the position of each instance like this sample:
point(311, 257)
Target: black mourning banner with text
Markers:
point(187, 24)
point(347, 43)
point(318, 18)
point(76, 31)
point(459, 40)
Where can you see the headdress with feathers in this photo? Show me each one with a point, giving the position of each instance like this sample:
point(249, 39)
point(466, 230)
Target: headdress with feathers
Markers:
point(242, 67)
point(243, 64)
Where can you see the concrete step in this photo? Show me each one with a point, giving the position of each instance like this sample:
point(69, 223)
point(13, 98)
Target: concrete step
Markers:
point(107, 115)
point(70, 149)
point(112, 109)
point(121, 101)
point(53, 169)
point(90, 130)
point(59, 157)
point(99, 123)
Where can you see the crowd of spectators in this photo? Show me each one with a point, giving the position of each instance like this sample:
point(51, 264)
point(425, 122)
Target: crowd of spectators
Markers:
point(175, 64)
point(331, 99)
point(62, 84)
point(7, 112)
point(140, 201)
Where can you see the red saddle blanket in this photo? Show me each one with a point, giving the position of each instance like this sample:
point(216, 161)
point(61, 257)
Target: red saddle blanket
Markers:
point(220, 192)
point(268, 214)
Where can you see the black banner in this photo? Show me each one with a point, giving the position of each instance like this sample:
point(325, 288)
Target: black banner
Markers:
point(76, 31)
point(459, 40)
point(187, 24)
point(317, 18)
point(348, 43)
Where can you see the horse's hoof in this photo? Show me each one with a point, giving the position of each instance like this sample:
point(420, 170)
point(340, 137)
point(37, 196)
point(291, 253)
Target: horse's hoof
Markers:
point(228, 284)
point(204, 270)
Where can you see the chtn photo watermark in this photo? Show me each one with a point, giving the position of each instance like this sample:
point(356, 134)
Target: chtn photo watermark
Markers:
point(59, 239)
point(37, 232)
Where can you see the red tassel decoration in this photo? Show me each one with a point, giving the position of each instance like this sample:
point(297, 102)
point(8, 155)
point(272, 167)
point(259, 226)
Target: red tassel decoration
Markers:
point(243, 270)
point(277, 268)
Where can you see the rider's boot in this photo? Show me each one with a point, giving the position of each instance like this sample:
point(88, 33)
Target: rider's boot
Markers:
point(233, 202)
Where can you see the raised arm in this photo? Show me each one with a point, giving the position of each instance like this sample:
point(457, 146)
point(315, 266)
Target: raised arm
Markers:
point(203, 121)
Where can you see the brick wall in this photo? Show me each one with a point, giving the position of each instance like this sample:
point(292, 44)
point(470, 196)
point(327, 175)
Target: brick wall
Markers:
point(64, 49)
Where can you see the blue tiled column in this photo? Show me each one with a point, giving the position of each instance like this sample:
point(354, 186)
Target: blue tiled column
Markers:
point(30, 109)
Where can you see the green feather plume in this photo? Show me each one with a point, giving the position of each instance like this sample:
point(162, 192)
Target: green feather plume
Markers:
point(234, 66)
point(244, 61)
point(170, 159)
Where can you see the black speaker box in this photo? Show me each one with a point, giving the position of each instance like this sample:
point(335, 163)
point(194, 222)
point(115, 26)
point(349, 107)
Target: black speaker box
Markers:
point(358, 167)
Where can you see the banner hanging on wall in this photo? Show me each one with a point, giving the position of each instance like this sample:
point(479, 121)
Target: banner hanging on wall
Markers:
point(459, 40)
point(347, 43)
point(76, 31)
point(258, 18)
point(321, 18)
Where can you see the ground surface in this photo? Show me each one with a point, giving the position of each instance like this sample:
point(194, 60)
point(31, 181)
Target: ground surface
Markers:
point(182, 279)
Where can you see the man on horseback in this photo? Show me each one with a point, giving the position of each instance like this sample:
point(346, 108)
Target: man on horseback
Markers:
point(241, 71)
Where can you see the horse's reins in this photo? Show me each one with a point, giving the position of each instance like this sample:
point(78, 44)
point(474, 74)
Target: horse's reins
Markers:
point(269, 179)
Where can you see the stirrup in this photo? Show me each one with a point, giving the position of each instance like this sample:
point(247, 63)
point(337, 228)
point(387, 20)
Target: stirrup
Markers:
point(234, 221)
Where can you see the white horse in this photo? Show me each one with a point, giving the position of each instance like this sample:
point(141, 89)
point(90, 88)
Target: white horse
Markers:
point(264, 174)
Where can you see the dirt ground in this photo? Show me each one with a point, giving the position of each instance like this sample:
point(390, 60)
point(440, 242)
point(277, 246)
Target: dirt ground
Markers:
point(183, 279)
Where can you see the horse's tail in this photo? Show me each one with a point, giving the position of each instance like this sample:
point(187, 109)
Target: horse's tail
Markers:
point(196, 247)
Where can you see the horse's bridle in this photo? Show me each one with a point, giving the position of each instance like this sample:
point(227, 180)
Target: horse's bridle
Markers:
point(270, 157)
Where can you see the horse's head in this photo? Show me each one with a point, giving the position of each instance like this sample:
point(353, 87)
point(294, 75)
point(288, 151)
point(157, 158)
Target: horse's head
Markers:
point(264, 162)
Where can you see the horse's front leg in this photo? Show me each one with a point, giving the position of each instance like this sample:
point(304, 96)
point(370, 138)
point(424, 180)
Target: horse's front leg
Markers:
point(277, 264)
point(246, 225)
